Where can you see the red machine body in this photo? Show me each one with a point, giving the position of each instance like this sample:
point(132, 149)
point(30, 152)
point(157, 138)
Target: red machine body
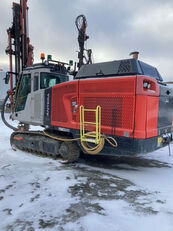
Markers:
point(135, 109)
point(130, 112)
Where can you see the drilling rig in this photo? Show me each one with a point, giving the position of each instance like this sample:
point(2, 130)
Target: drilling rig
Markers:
point(119, 107)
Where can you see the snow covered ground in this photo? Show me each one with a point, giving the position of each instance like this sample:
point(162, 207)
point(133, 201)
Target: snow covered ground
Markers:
point(114, 194)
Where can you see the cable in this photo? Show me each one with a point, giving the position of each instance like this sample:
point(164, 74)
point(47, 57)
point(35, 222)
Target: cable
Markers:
point(86, 146)
point(96, 149)
point(93, 150)
point(114, 143)
point(2, 114)
point(60, 139)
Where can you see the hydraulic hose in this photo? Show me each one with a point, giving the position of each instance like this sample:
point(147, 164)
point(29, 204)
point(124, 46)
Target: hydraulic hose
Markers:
point(93, 150)
point(3, 116)
point(59, 138)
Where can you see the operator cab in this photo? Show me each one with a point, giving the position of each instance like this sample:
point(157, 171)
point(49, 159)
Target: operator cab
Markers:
point(29, 106)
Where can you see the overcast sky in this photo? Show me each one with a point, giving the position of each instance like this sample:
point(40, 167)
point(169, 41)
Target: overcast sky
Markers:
point(115, 28)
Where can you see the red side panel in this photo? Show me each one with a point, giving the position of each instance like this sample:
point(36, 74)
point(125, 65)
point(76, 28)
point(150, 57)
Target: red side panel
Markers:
point(152, 116)
point(147, 104)
point(140, 117)
point(116, 96)
point(64, 96)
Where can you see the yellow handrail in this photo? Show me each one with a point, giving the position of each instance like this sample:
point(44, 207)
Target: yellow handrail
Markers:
point(96, 135)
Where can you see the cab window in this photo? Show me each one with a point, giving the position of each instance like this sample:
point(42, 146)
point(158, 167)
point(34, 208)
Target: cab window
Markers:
point(25, 86)
point(51, 79)
point(24, 90)
point(35, 82)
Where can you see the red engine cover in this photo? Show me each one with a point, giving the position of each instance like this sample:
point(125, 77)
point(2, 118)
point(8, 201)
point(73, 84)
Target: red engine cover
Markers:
point(127, 107)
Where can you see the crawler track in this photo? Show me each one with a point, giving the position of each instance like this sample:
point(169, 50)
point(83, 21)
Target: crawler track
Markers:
point(36, 142)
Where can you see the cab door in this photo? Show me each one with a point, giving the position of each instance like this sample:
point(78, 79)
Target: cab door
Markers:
point(23, 99)
point(37, 100)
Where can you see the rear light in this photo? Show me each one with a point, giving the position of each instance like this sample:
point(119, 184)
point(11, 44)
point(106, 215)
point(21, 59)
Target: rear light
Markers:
point(147, 85)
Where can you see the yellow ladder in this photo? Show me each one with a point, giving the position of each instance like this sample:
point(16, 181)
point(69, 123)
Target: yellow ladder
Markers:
point(90, 136)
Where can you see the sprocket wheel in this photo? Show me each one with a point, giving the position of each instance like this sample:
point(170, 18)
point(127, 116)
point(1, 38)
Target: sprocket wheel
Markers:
point(69, 151)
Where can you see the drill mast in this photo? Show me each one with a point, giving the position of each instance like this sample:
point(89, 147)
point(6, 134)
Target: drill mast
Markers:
point(19, 45)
